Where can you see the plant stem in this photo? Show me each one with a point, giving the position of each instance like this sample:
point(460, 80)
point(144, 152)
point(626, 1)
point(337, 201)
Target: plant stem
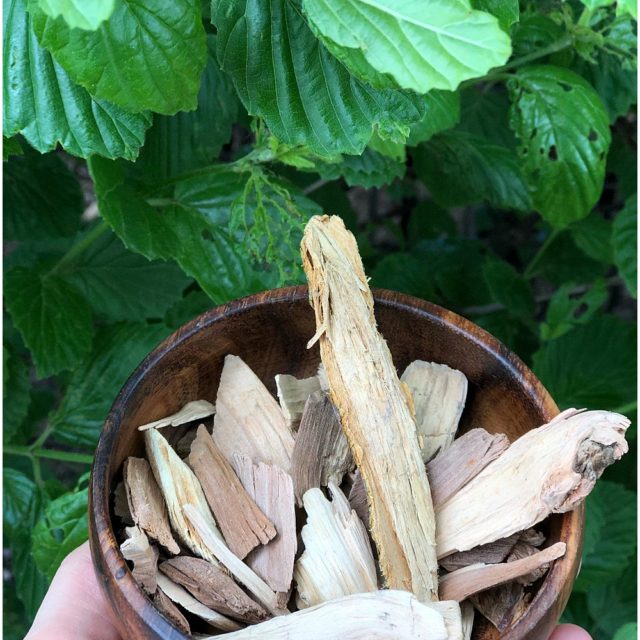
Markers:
point(530, 270)
point(50, 454)
point(80, 247)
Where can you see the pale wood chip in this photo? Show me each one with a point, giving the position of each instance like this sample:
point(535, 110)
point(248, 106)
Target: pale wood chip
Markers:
point(524, 550)
point(179, 486)
point(392, 615)
point(136, 549)
point(467, 614)
point(146, 504)
point(449, 471)
point(337, 559)
point(243, 525)
point(548, 470)
point(321, 454)
point(185, 599)
point(452, 616)
point(293, 393)
point(170, 611)
point(214, 588)
point(462, 583)
point(120, 504)
point(248, 419)
point(272, 489)
point(439, 395)
point(195, 410)
point(490, 553)
point(236, 567)
point(373, 409)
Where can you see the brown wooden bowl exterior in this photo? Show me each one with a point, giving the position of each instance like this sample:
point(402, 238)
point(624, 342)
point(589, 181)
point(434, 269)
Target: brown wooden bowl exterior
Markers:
point(270, 331)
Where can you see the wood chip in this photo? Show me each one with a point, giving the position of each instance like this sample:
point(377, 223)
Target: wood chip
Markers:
point(146, 504)
point(449, 471)
point(293, 393)
point(243, 525)
point(136, 549)
point(392, 615)
point(532, 537)
point(170, 611)
point(457, 465)
point(464, 582)
point(548, 470)
point(179, 486)
point(120, 504)
point(272, 489)
point(321, 454)
point(452, 616)
point(195, 410)
point(490, 553)
point(337, 559)
point(248, 419)
point(213, 588)
point(185, 599)
point(374, 412)
point(499, 604)
point(439, 394)
point(236, 567)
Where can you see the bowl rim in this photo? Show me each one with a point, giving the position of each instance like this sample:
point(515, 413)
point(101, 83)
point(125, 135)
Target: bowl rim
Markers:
point(110, 566)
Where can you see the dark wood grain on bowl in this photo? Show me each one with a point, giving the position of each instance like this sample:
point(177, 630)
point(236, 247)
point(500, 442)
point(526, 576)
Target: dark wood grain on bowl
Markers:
point(270, 331)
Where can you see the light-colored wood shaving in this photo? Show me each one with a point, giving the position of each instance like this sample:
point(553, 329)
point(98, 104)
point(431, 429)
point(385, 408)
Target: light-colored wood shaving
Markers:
point(293, 393)
point(195, 410)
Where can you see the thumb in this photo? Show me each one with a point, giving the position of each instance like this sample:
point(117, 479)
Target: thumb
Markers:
point(569, 632)
point(74, 606)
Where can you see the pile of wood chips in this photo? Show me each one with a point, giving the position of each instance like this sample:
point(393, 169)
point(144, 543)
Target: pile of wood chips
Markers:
point(347, 505)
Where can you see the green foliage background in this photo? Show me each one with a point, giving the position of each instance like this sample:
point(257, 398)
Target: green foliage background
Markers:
point(484, 157)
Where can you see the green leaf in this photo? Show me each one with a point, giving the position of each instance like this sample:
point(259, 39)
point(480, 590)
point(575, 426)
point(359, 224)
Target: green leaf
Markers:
point(623, 163)
point(11, 147)
point(628, 631)
point(93, 387)
point(371, 169)
point(627, 6)
point(614, 603)
point(564, 137)
point(88, 15)
point(16, 398)
point(442, 111)
point(18, 495)
point(625, 244)
point(42, 198)
point(507, 11)
point(609, 541)
point(509, 288)
point(567, 310)
point(121, 285)
point(592, 366)
point(145, 56)
point(284, 75)
point(43, 104)
point(592, 5)
point(62, 528)
point(421, 45)
point(429, 221)
point(534, 31)
point(460, 168)
point(52, 317)
point(176, 144)
point(188, 308)
point(593, 236)
point(615, 85)
point(486, 114)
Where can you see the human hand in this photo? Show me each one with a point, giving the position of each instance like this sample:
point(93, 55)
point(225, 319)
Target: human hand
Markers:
point(75, 606)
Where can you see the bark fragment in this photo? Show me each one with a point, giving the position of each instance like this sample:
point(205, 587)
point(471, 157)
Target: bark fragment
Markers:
point(490, 553)
point(170, 611)
point(243, 525)
point(373, 409)
point(321, 454)
point(136, 549)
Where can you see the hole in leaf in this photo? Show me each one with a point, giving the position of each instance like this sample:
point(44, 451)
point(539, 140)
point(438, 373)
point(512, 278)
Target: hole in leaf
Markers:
point(565, 86)
point(581, 310)
point(553, 152)
point(535, 174)
point(534, 133)
point(58, 534)
point(602, 155)
point(593, 136)
point(524, 151)
point(206, 234)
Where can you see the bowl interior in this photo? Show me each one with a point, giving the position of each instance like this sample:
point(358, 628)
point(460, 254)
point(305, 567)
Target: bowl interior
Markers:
point(270, 332)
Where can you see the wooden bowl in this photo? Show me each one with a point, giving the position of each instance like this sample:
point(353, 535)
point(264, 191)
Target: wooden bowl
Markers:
point(270, 331)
